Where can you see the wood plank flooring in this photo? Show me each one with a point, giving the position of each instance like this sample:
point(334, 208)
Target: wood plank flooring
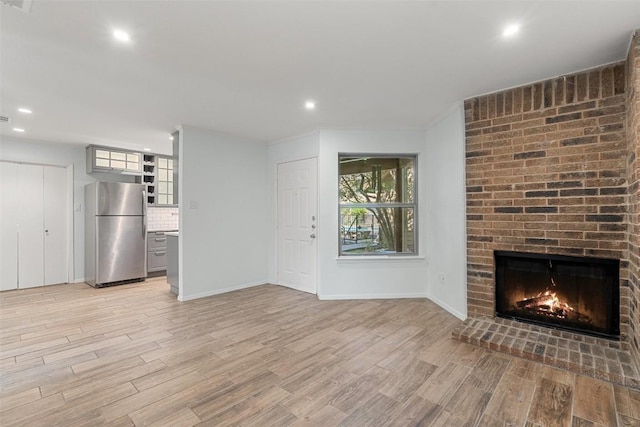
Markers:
point(269, 356)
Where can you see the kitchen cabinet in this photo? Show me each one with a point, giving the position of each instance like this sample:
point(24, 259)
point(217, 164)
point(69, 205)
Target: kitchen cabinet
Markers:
point(156, 251)
point(157, 175)
point(175, 136)
point(113, 160)
point(172, 262)
point(153, 170)
point(164, 167)
point(149, 177)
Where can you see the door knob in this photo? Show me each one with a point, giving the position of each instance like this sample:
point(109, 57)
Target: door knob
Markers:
point(313, 236)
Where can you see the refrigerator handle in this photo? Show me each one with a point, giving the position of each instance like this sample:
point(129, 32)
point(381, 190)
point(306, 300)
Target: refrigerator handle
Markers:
point(144, 214)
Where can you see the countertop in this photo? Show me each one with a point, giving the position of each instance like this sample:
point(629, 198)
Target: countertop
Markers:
point(172, 233)
point(162, 231)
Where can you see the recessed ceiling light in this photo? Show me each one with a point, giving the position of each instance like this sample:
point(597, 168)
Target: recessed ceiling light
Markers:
point(147, 149)
point(25, 110)
point(122, 36)
point(18, 130)
point(510, 30)
point(310, 105)
point(171, 138)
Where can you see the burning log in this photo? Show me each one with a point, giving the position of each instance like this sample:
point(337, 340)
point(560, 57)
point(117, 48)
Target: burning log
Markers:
point(532, 302)
point(547, 304)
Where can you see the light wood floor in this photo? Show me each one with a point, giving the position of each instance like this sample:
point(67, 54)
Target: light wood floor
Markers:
point(270, 356)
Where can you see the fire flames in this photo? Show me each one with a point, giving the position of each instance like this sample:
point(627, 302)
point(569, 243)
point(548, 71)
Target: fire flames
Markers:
point(547, 303)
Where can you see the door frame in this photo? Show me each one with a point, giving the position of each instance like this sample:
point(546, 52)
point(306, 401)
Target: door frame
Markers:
point(69, 214)
point(70, 223)
point(277, 229)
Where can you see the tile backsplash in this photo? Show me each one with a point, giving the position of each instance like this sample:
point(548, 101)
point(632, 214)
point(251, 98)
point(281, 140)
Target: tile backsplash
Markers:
point(162, 218)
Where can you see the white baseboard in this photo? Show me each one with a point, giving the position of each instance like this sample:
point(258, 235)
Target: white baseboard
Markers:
point(221, 291)
point(372, 296)
point(444, 305)
point(79, 280)
point(297, 288)
point(447, 307)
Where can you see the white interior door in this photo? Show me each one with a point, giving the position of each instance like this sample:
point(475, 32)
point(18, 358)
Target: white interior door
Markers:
point(8, 226)
point(55, 226)
point(297, 221)
point(31, 226)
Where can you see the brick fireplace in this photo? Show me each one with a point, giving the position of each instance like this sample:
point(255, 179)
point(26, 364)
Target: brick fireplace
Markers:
point(552, 168)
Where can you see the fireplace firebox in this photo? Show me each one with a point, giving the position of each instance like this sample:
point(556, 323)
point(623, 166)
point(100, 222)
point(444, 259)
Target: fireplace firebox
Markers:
point(579, 294)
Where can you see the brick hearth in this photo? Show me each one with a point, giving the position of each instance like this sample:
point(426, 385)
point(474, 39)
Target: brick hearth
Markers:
point(552, 168)
point(595, 357)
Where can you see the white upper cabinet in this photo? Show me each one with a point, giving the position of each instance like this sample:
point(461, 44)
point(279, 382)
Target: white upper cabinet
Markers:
point(153, 170)
point(105, 159)
point(157, 175)
point(165, 182)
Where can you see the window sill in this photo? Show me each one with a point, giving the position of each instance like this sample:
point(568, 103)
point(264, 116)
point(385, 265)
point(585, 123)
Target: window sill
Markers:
point(386, 258)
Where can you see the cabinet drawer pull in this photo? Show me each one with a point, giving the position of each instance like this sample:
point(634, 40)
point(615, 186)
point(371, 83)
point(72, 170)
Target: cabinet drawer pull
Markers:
point(159, 253)
point(160, 240)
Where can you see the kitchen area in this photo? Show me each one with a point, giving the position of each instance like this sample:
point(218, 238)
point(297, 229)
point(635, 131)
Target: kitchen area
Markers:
point(131, 216)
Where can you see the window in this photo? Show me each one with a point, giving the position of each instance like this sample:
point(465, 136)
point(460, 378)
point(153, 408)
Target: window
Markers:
point(378, 208)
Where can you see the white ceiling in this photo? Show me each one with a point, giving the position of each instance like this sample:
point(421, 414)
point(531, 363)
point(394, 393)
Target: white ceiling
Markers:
point(246, 67)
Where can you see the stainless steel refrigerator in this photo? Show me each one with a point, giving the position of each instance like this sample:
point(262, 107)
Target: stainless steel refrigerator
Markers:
point(115, 233)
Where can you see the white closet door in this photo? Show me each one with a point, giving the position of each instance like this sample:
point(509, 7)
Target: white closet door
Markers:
point(31, 230)
point(55, 225)
point(8, 226)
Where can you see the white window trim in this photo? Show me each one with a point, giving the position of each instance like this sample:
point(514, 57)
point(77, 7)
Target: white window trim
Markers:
point(415, 255)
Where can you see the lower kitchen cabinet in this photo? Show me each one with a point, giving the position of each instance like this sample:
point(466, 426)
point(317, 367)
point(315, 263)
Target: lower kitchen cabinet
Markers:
point(172, 262)
point(156, 251)
point(157, 260)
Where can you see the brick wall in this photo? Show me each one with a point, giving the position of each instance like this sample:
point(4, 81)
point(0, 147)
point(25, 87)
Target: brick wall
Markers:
point(633, 177)
point(546, 172)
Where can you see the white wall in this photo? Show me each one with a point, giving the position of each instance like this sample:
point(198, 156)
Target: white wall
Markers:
point(367, 277)
point(228, 241)
point(446, 238)
point(441, 198)
point(30, 151)
point(224, 223)
point(286, 150)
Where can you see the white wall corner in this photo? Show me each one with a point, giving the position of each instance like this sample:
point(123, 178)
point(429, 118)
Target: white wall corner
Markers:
point(222, 291)
point(446, 208)
point(459, 314)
